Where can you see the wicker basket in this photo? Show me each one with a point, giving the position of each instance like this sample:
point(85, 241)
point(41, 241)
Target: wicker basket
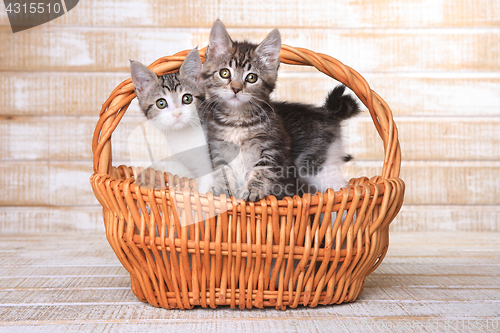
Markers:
point(267, 253)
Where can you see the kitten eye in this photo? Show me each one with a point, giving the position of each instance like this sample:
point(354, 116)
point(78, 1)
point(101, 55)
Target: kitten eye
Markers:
point(161, 103)
point(251, 78)
point(225, 73)
point(187, 99)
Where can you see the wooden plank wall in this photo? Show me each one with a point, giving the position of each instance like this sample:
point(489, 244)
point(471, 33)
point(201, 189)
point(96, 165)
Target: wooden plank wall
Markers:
point(436, 62)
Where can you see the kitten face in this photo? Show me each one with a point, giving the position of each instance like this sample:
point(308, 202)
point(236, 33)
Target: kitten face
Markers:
point(170, 100)
point(172, 105)
point(239, 74)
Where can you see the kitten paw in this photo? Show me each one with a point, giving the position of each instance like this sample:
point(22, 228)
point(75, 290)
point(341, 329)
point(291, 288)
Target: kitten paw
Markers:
point(250, 193)
point(255, 195)
point(242, 193)
point(219, 188)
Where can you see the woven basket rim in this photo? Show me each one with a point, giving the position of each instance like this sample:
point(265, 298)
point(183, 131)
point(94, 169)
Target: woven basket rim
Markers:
point(120, 98)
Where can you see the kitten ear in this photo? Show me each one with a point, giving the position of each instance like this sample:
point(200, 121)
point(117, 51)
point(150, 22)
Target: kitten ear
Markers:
point(269, 50)
point(220, 42)
point(143, 78)
point(191, 66)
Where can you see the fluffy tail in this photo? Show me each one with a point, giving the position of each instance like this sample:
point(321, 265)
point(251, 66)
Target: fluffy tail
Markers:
point(341, 106)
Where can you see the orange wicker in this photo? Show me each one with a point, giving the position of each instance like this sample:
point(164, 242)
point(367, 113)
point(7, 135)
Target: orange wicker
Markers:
point(268, 253)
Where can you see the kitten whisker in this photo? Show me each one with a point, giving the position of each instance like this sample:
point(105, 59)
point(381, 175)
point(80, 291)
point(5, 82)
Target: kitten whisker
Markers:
point(208, 109)
point(267, 119)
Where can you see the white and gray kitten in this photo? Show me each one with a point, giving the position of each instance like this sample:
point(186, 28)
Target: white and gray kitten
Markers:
point(170, 102)
point(238, 78)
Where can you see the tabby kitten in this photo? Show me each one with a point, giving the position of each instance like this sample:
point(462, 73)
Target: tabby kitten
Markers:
point(171, 102)
point(238, 78)
point(317, 148)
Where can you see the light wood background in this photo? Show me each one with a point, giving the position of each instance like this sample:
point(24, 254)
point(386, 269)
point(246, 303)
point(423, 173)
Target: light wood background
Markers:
point(436, 63)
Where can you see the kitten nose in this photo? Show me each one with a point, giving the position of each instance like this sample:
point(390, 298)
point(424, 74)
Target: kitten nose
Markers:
point(177, 115)
point(236, 90)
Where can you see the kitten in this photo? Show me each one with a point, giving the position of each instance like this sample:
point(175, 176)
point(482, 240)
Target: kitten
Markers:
point(316, 146)
point(238, 78)
point(170, 102)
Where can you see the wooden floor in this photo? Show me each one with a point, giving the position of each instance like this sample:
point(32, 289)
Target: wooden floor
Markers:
point(429, 282)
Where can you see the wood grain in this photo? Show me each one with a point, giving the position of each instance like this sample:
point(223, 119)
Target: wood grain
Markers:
point(339, 323)
point(411, 218)
point(13, 285)
point(436, 63)
point(82, 271)
point(425, 94)
point(45, 183)
point(459, 138)
point(441, 183)
point(389, 268)
point(107, 291)
point(470, 218)
point(68, 138)
point(56, 93)
point(436, 94)
point(281, 13)
point(51, 219)
point(430, 282)
point(405, 50)
point(31, 183)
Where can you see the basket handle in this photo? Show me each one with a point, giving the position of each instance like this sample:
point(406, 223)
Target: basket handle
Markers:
point(118, 102)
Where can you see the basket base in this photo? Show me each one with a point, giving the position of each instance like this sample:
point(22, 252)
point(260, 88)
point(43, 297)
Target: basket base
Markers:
point(309, 299)
point(310, 250)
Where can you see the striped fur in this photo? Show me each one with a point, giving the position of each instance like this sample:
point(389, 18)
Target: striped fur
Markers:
point(238, 116)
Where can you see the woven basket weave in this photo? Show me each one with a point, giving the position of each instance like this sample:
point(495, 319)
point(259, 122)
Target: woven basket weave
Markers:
point(267, 253)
